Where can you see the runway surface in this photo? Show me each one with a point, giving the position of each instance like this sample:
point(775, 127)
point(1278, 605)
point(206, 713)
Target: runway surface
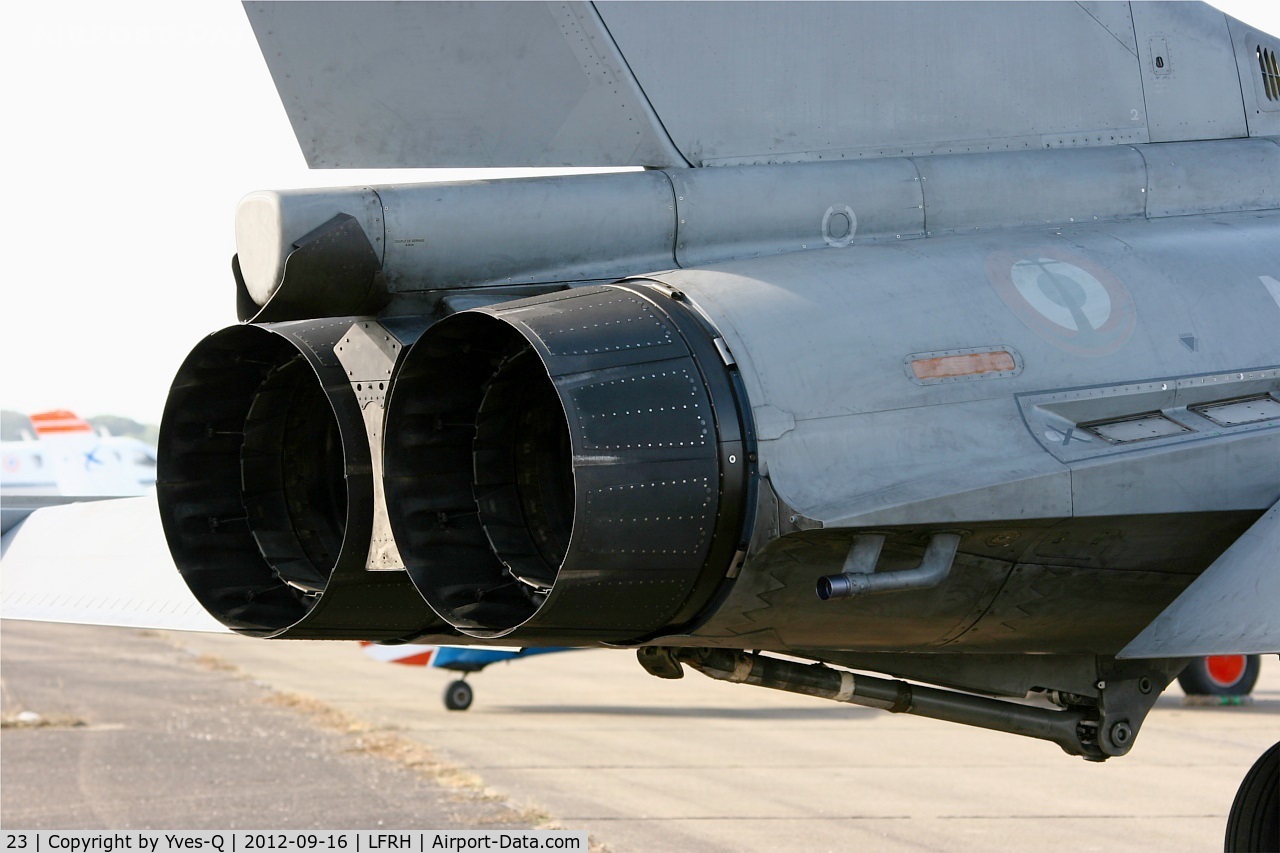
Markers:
point(584, 740)
point(132, 732)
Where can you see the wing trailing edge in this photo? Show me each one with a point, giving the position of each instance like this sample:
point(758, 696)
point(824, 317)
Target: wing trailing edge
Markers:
point(97, 563)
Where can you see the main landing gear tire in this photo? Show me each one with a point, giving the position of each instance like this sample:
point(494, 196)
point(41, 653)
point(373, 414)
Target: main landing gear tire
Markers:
point(458, 696)
point(1254, 822)
point(1220, 675)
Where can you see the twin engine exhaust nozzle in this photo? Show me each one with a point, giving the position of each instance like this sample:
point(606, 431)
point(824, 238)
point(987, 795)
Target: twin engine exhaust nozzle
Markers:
point(566, 468)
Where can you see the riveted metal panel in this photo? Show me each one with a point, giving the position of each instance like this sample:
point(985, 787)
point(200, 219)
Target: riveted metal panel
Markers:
point(1238, 412)
point(620, 410)
point(1137, 428)
point(1238, 471)
point(821, 339)
point(1063, 421)
point(1189, 78)
point(750, 212)
point(383, 84)
point(674, 84)
point(577, 327)
point(1208, 177)
point(525, 231)
point(1046, 187)
point(609, 472)
point(740, 83)
point(1115, 18)
point(880, 468)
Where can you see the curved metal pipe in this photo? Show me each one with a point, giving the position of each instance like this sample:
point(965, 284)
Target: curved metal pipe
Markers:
point(860, 577)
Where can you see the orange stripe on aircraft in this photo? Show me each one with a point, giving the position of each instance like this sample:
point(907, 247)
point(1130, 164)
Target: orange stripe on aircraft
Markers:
point(59, 421)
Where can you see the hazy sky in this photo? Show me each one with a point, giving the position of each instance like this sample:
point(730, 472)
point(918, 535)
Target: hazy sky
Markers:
point(134, 128)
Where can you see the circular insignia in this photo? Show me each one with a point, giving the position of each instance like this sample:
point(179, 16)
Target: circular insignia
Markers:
point(1070, 302)
point(12, 464)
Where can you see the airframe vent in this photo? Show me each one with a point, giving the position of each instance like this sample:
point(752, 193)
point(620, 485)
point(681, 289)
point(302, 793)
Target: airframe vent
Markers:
point(1243, 411)
point(1270, 73)
point(1136, 428)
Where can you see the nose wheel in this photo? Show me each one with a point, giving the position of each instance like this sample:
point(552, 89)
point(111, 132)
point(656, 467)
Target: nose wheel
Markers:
point(458, 696)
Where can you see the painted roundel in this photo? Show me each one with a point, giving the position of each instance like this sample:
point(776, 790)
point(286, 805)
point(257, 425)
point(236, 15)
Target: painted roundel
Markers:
point(1070, 302)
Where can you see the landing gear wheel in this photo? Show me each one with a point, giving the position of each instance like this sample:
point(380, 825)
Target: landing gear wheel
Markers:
point(1220, 675)
point(458, 696)
point(1254, 822)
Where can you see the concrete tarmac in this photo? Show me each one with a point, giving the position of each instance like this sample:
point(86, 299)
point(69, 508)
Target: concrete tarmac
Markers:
point(591, 742)
point(113, 728)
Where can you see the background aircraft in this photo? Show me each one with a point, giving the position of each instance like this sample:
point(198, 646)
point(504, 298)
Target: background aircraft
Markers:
point(63, 459)
point(903, 356)
point(458, 695)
